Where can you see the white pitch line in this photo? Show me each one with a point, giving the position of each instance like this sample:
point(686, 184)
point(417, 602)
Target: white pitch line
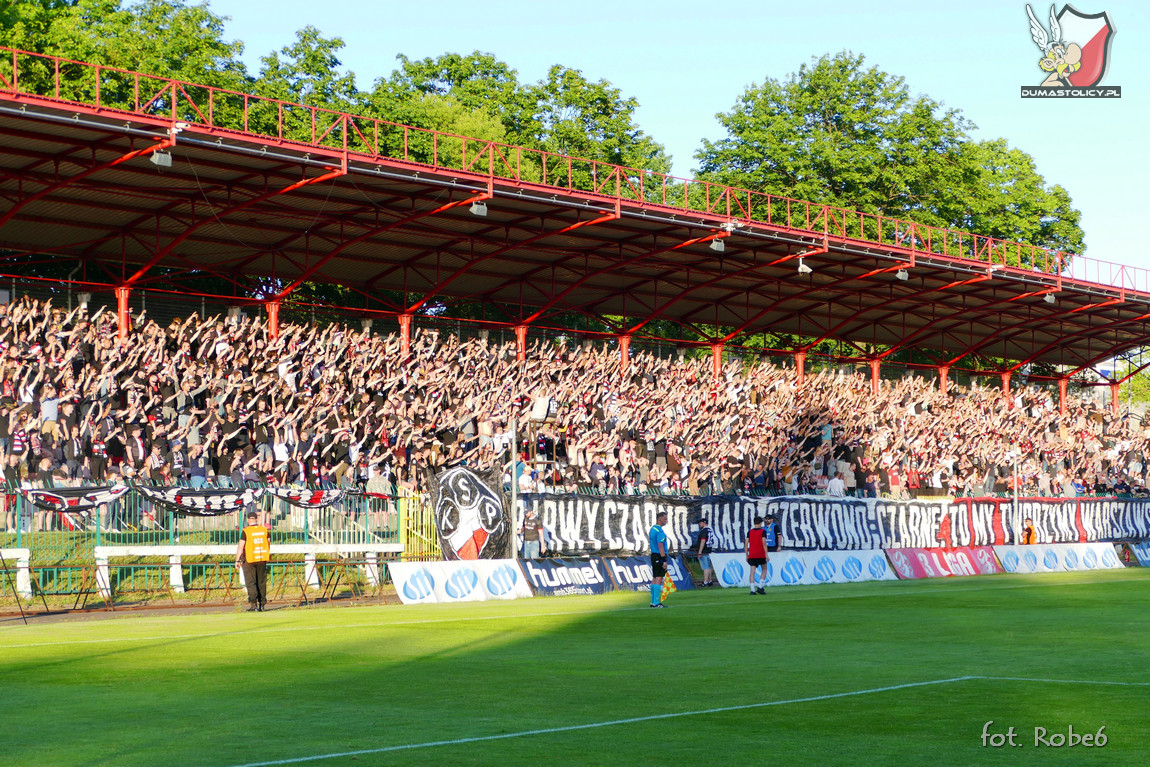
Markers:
point(654, 717)
point(1063, 681)
point(455, 619)
point(609, 723)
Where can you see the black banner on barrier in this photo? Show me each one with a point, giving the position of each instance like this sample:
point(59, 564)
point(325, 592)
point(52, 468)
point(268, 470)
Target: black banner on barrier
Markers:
point(582, 524)
point(558, 577)
point(634, 573)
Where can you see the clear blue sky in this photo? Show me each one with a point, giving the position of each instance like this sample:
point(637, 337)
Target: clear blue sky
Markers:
point(686, 61)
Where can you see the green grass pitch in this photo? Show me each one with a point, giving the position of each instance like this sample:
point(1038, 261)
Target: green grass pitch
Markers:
point(842, 674)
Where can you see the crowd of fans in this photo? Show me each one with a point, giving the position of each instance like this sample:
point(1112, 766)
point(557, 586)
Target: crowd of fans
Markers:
point(218, 401)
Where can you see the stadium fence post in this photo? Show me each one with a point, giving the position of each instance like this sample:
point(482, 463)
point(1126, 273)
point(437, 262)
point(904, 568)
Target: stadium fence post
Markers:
point(10, 577)
point(512, 552)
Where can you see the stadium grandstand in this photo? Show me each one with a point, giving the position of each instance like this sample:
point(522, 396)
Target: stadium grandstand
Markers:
point(577, 325)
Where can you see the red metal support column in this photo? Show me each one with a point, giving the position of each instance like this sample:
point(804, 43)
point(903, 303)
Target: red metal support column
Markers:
point(520, 343)
point(1005, 383)
point(122, 294)
point(717, 360)
point(874, 379)
point(273, 308)
point(1062, 396)
point(801, 366)
point(404, 334)
point(1114, 387)
point(943, 378)
point(624, 354)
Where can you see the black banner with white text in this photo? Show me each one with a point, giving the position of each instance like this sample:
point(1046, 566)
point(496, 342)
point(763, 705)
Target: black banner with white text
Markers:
point(585, 524)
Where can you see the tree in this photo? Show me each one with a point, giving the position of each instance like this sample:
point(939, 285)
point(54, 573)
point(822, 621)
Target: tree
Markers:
point(478, 81)
point(593, 120)
point(841, 134)
point(308, 72)
point(167, 38)
point(565, 113)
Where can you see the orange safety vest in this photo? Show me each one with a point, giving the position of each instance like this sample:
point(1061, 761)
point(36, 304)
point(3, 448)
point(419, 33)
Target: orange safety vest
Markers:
point(1029, 536)
point(257, 547)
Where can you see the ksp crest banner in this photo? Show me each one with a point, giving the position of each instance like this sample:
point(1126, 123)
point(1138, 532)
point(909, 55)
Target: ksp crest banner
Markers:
point(469, 514)
point(458, 581)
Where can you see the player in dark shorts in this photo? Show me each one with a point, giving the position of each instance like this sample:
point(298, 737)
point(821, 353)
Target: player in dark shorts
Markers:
point(757, 554)
point(658, 539)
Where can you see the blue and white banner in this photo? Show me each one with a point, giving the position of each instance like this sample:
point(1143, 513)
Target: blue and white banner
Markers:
point(792, 568)
point(634, 573)
point(1057, 557)
point(558, 577)
point(1142, 552)
point(458, 581)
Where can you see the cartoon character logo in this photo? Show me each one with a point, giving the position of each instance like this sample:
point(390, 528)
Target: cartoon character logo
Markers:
point(1075, 51)
point(470, 517)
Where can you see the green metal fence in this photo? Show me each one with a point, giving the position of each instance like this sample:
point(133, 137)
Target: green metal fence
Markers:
point(60, 540)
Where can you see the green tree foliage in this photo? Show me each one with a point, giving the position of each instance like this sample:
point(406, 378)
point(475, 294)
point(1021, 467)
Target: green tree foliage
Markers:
point(309, 72)
point(839, 133)
point(565, 113)
point(169, 38)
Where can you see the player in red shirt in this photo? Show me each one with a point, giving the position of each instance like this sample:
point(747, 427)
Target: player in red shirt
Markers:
point(757, 554)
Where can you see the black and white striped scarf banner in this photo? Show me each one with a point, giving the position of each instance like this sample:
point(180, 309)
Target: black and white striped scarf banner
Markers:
point(73, 499)
point(200, 503)
point(305, 498)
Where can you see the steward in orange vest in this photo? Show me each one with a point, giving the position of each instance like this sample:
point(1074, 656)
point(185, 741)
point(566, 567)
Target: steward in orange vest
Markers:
point(1029, 536)
point(253, 553)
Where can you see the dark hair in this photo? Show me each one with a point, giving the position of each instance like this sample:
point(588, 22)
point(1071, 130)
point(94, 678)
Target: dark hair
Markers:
point(758, 520)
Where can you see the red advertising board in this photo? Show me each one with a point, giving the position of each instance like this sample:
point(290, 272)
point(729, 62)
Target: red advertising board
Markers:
point(943, 563)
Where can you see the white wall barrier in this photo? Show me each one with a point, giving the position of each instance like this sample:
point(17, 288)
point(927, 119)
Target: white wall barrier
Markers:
point(1057, 557)
point(175, 554)
point(458, 581)
point(791, 568)
point(21, 560)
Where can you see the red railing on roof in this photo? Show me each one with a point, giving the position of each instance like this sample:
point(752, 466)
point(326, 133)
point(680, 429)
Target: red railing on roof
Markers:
point(219, 110)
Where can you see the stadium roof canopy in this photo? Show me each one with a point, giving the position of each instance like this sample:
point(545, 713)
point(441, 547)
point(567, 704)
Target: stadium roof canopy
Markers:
point(146, 181)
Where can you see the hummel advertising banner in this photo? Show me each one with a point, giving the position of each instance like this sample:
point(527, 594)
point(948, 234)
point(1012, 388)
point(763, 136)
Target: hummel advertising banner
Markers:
point(791, 568)
point(458, 581)
point(560, 577)
point(1057, 557)
point(634, 573)
point(943, 563)
point(1142, 552)
point(589, 525)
